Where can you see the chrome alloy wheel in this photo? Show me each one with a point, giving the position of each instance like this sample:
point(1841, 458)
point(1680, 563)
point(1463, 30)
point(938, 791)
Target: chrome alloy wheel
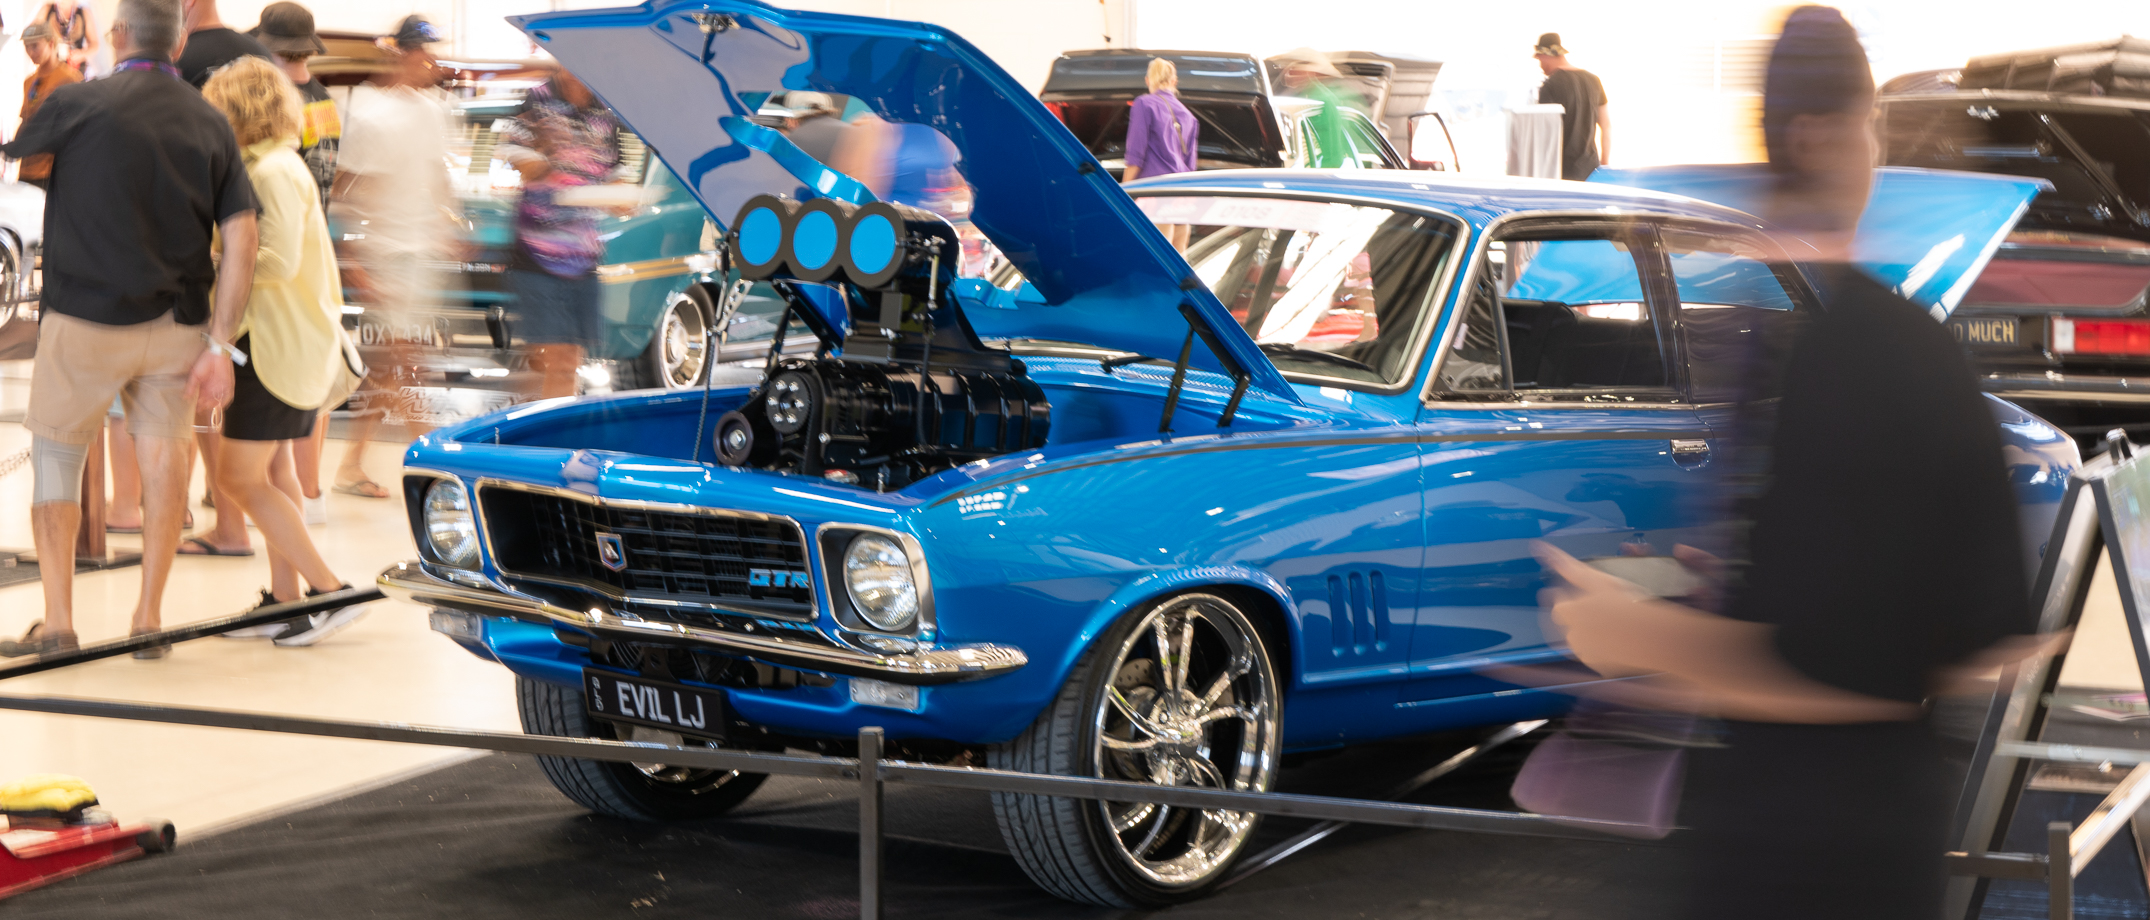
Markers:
point(683, 340)
point(1192, 701)
point(694, 780)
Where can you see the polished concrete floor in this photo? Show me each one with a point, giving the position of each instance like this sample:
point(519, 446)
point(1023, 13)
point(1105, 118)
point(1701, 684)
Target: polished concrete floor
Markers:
point(387, 667)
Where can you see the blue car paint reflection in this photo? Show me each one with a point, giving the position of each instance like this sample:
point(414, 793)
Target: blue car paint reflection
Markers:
point(1383, 533)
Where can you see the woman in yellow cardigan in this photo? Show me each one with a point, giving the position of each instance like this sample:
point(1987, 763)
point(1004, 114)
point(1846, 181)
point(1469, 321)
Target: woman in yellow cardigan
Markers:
point(291, 335)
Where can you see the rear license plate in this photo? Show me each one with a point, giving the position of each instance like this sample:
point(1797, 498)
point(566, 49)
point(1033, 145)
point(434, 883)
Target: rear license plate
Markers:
point(657, 704)
point(1987, 332)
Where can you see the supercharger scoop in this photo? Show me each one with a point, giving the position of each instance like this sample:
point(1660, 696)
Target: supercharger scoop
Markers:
point(902, 388)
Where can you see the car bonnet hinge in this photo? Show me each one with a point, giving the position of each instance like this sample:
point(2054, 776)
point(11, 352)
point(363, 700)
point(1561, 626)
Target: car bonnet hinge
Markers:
point(1240, 376)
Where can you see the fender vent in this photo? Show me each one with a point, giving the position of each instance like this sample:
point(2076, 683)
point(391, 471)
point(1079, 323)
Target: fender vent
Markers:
point(1358, 613)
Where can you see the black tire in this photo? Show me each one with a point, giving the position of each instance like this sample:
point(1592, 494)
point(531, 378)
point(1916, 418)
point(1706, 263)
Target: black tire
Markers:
point(683, 346)
point(622, 790)
point(1070, 847)
point(158, 837)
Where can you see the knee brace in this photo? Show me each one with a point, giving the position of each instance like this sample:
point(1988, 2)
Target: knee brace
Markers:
point(58, 469)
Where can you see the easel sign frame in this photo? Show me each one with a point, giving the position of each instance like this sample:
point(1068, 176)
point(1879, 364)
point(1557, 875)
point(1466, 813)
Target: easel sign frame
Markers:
point(2107, 504)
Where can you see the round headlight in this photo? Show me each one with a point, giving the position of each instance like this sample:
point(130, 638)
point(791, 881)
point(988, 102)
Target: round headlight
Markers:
point(877, 575)
point(451, 532)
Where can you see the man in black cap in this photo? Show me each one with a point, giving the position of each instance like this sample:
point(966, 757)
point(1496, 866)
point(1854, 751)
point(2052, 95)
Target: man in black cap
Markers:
point(210, 44)
point(1586, 128)
point(287, 30)
point(391, 174)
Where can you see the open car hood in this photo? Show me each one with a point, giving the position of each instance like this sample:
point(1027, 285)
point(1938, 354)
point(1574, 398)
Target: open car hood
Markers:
point(687, 74)
point(1926, 233)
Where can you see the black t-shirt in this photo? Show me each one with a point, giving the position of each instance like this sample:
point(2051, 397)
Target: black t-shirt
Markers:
point(1885, 542)
point(210, 49)
point(144, 170)
point(1582, 94)
point(320, 134)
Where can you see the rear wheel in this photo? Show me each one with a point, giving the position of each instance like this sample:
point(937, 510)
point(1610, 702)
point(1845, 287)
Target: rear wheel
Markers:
point(638, 791)
point(679, 352)
point(1182, 693)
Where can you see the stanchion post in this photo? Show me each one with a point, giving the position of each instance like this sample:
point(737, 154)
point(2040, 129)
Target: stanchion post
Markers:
point(869, 824)
point(2060, 872)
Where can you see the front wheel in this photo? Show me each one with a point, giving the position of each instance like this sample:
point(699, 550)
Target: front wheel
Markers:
point(637, 791)
point(682, 348)
point(1182, 693)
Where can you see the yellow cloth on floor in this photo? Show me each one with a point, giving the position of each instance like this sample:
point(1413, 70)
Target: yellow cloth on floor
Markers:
point(295, 313)
point(53, 792)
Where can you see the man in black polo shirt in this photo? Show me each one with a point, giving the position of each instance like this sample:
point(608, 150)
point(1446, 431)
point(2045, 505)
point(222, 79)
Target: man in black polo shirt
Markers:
point(144, 172)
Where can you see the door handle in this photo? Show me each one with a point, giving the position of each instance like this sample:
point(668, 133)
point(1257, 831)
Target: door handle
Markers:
point(1690, 452)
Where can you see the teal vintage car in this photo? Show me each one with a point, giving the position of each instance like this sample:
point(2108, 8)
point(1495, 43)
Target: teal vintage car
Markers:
point(661, 283)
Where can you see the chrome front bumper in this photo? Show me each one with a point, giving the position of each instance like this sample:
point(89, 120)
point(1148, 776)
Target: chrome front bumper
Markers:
point(409, 582)
point(2054, 386)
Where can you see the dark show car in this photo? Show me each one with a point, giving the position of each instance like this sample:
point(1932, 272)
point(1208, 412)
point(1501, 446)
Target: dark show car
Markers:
point(2059, 320)
point(1244, 124)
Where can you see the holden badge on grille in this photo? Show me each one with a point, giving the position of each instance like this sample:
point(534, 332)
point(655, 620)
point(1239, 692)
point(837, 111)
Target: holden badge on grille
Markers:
point(611, 551)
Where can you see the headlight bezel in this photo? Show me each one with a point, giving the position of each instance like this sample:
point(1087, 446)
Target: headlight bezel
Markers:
point(835, 542)
point(420, 489)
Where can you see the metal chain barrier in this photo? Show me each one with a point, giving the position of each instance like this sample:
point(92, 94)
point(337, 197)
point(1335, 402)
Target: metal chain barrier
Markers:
point(14, 461)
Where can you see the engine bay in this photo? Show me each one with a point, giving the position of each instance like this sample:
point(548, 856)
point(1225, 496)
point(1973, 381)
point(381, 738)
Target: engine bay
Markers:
point(900, 388)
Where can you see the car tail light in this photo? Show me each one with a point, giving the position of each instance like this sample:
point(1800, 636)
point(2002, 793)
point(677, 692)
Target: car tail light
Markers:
point(2100, 336)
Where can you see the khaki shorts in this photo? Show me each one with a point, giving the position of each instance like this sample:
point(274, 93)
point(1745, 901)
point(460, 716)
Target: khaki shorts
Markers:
point(81, 365)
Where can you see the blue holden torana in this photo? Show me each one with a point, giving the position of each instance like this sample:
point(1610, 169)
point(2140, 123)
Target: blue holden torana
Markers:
point(1109, 511)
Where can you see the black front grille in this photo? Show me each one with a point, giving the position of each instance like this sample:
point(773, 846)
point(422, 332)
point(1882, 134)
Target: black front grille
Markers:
point(701, 557)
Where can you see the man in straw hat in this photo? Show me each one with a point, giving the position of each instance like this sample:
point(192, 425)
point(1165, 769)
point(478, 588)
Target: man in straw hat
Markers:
point(1586, 128)
point(1307, 73)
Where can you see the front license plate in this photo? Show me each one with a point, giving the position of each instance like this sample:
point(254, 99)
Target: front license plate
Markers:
point(657, 704)
point(1986, 332)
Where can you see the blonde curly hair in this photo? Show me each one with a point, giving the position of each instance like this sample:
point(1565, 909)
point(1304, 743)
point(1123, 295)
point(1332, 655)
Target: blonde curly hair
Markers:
point(258, 99)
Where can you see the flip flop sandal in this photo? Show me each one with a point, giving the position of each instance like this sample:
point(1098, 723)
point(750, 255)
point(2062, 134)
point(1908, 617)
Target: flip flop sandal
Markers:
point(363, 488)
point(210, 549)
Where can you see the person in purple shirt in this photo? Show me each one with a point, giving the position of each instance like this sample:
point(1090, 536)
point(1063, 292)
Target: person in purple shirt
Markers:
point(1161, 135)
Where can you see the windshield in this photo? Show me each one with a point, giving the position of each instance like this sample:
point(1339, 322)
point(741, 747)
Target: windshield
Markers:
point(1331, 291)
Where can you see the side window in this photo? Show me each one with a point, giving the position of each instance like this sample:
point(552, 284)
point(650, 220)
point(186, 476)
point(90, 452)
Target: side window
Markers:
point(1558, 317)
point(1737, 314)
point(1365, 146)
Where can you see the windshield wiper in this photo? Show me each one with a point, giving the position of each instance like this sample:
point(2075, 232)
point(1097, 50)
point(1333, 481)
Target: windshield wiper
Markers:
point(1278, 349)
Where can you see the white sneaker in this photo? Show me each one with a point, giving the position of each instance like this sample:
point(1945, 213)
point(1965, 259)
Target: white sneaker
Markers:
point(320, 626)
point(316, 509)
point(265, 630)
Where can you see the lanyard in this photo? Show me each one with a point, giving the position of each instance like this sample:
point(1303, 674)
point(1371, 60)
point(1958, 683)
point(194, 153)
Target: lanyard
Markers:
point(148, 64)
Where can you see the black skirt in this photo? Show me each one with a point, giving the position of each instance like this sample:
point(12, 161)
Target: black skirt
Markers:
point(255, 414)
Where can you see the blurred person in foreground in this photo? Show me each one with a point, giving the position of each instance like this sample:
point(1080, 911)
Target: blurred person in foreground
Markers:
point(52, 72)
point(1586, 127)
point(287, 30)
point(392, 179)
point(1162, 135)
point(564, 142)
point(1308, 74)
point(290, 330)
point(144, 172)
point(1867, 582)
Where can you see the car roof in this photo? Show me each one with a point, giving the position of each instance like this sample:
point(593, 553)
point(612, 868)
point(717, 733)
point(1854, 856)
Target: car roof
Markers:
point(1478, 199)
point(2030, 98)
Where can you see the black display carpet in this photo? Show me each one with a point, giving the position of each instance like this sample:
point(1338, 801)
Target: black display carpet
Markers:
point(490, 838)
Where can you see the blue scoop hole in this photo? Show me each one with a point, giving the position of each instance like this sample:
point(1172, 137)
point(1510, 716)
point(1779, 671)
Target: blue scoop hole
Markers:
point(760, 235)
point(813, 241)
point(873, 244)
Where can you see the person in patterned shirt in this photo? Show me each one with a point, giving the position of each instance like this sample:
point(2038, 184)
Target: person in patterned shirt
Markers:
point(563, 141)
